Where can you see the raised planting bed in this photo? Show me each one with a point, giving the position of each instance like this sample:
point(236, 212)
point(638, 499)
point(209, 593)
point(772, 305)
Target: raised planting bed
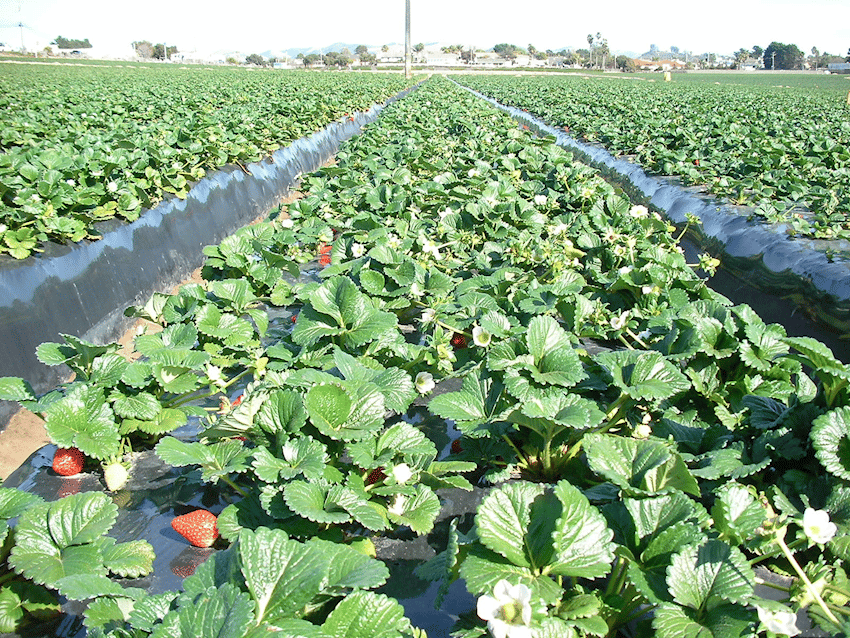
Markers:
point(81, 289)
point(473, 310)
point(766, 264)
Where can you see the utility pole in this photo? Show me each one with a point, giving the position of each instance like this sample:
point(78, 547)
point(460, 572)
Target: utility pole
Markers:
point(407, 54)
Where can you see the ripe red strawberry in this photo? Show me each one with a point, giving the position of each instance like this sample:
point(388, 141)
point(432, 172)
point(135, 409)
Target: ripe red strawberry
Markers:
point(696, 162)
point(237, 400)
point(68, 461)
point(457, 448)
point(375, 476)
point(458, 341)
point(325, 254)
point(198, 527)
point(294, 318)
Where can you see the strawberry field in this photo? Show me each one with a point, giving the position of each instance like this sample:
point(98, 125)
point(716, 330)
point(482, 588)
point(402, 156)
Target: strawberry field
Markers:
point(454, 307)
point(784, 151)
point(106, 142)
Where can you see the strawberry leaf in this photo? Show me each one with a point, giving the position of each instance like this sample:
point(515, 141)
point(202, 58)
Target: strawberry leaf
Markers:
point(640, 467)
point(84, 420)
point(361, 612)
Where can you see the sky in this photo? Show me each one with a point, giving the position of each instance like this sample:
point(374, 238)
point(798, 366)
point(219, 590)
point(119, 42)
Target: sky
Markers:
point(721, 26)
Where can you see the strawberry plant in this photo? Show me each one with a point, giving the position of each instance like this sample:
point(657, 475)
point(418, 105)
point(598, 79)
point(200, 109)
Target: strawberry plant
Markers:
point(646, 449)
point(744, 142)
point(108, 142)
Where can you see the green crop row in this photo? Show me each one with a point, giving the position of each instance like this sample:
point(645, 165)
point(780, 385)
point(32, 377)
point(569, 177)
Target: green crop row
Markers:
point(785, 151)
point(454, 283)
point(85, 144)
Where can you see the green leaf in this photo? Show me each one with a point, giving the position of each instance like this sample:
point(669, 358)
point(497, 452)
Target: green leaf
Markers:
point(345, 413)
point(503, 520)
point(643, 375)
point(830, 437)
point(80, 518)
point(338, 308)
point(282, 575)
point(11, 610)
point(640, 467)
point(20, 598)
point(703, 577)
point(328, 406)
point(302, 455)
point(651, 516)
point(54, 540)
point(348, 568)
point(482, 569)
point(224, 611)
point(419, 511)
point(737, 513)
point(84, 420)
point(150, 610)
point(14, 502)
point(481, 400)
point(723, 621)
point(129, 560)
point(16, 389)
point(85, 586)
point(365, 614)
point(582, 540)
point(283, 411)
point(143, 406)
point(369, 514)
point(312, 501)
point(167, 420)
point(215, 459)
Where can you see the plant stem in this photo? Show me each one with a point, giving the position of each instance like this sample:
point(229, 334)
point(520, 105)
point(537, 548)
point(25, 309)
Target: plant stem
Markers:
point(785, 550)
point(519, 454)
point(235, 487)
point(634, 615)
point(183, 398)
point(637, 339)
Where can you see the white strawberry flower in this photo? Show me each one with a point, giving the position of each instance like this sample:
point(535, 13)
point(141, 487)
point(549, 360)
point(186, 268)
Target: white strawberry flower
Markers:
point(287, 223)
point(639, 212)
point(480, 337)
point(618, 323)
point(402, 473)
point(429, 246)
point(507, 611)
point(428, 315)
point(540, 200)
point(779, 621)
point(817, 526)
point(424, 382)
point(357, 250)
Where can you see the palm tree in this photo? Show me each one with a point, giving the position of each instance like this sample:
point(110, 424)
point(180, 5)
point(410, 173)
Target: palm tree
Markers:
point(590, 46)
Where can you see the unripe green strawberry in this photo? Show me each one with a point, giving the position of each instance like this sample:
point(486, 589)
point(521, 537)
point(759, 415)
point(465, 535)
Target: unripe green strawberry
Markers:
point(115, 474)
